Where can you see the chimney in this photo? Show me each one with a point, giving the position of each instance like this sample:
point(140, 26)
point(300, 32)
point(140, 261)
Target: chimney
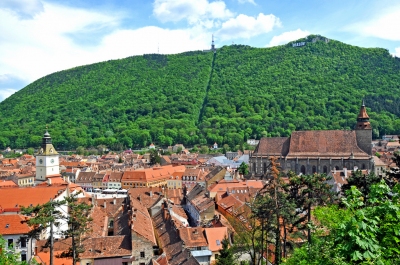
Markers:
point(151, 193)
point(49, 181)
point(105, 204)
point(115, 201)
point(345, 172)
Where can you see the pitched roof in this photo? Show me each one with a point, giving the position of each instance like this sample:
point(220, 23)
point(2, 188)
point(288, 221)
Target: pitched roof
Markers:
point(141, 221)
point(214, 236)
point(7, 184)
point(171, 243)
point(329, 143)
point(115, 176)
point(13, 198)
point(85, 176)
point(13, 224)
point(109, 246)
point(193, 236)
point(151, 174)
point(276, 146)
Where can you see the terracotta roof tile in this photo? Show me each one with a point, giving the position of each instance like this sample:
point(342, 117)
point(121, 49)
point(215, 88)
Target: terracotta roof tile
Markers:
point(332, 143)
point(215, 236)
point(141, 221)
point(193, 237)
point(13, 224)
point(16, 197)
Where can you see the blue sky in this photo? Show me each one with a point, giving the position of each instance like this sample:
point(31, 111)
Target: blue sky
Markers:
point(40, 37)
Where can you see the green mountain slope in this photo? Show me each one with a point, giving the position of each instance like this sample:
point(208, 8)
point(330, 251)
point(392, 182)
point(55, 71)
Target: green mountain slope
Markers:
point(237, 93)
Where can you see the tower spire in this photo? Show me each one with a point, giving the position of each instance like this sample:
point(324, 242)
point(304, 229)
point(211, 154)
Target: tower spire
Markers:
point(363, 118)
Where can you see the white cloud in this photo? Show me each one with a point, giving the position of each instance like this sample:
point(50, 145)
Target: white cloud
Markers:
point(244, 26)
point(6, 92)
point(385, 25)
point(23, 8)
point(397, 52)
point(247, 1)
point(45, 44)
point(287, 37)
point(194, 11)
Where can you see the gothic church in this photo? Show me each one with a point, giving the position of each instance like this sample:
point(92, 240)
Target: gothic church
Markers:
point(309, 152)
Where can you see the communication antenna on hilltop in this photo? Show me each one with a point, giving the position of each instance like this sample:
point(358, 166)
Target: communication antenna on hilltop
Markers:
point(158, 48)
point(212, 43)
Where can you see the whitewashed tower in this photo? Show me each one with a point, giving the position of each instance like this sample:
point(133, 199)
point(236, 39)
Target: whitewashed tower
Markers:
point(47, 162)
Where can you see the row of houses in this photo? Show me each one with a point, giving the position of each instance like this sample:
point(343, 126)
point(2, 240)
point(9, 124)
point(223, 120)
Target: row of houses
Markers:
point(169, 177)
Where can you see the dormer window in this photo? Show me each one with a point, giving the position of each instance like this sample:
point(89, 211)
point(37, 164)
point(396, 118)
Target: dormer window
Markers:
point(51, 150)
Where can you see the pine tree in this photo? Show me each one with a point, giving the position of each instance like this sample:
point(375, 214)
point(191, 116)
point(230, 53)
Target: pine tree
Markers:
point(225, 254)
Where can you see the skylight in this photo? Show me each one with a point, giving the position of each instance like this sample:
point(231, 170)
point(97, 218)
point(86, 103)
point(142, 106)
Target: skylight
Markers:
point(218, 242)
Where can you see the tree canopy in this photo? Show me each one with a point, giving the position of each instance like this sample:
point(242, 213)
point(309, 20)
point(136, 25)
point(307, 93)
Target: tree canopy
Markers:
point(227, 97)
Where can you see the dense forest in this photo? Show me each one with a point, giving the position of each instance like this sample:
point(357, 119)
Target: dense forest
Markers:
point(236, 93)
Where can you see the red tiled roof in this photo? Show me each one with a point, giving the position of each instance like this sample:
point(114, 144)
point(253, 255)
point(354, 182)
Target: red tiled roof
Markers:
point(193, 236)
point(13, 224)
point(151, 174)
point(332, 143)
point(272, 146)
point(16, 197)
point(7, 184)
point(141, 221)
point(214, 236)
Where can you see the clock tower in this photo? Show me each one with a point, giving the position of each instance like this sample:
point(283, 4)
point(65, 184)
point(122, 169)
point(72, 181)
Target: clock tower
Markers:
point(47, 159)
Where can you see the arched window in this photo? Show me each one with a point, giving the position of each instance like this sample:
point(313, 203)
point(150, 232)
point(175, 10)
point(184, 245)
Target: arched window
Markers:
point(254, 167)
point(265, 168)
point(337, 167)
point(303, 169)
point(325, 169)
point(314, 169)
point(363, 166)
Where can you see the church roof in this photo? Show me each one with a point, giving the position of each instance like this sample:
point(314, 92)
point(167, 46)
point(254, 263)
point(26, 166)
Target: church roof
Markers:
point(302, 144)
point(274, 146)
point(329, 143)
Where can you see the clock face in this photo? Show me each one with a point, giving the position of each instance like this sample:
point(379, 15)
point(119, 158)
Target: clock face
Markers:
point(41, 161)
point(52, 161)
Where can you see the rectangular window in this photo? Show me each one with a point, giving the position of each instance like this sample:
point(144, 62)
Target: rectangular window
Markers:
point(10, 242)
point(142, 254)
point(124, 263)
point(23, 257)
point(142, 263)
point(23, 242)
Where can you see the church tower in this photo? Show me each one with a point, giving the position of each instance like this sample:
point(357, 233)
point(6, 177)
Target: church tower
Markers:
point(364, 131)
point(47, 162)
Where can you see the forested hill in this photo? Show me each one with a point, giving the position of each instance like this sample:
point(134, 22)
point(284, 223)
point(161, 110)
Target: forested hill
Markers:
point(239, 92)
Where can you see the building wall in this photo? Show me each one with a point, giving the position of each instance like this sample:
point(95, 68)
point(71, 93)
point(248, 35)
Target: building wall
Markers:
point(364, 140)
point(139, 244)
point(259, 165)
point(220, 175)
point(17, 245)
